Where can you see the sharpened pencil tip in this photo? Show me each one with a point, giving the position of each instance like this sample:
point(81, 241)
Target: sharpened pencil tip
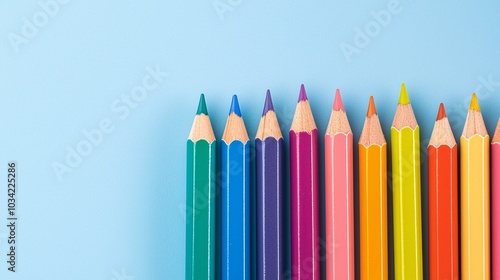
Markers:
point(403, 96)
point(202, 106)
point(337, 103)
point(235, 106)
point(302, 94)
point(474, 104)
point(268, 104)
point(372, 110)
point(441, 112)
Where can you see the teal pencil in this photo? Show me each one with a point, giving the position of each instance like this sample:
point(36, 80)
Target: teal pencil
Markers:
point(200, 198)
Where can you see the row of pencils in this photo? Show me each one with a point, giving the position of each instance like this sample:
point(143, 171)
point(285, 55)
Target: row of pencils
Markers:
point(229, 186)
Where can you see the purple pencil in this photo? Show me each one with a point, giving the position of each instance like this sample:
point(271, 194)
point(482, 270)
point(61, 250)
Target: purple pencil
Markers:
point(269, 151)
point(304, 197)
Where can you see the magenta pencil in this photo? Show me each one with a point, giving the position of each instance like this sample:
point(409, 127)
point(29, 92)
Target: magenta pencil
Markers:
point(495, 203)
point(304, 206)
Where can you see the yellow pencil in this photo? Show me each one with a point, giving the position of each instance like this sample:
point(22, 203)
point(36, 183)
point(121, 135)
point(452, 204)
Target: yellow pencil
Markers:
point(475, 195)
point(405, 136)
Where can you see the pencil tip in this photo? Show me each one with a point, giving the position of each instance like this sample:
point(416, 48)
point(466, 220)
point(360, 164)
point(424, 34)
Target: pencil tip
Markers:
point(268, 104)
point(337, 103)
point(235, 106)
point(372, 110)
point(474, 104)
point(441, 112)
point(202, 106)
point(403, 96)
point(302, 94)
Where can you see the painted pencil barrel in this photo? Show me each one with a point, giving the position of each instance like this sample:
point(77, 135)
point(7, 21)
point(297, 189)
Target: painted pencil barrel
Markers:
point(406, 203)
point(475, 207)
point(304, 212)
point(443, 212)
point(200, 210)
point(373, 212)
point(235, 211)
point(495, 210)
point(269, 184)
point(339, 206)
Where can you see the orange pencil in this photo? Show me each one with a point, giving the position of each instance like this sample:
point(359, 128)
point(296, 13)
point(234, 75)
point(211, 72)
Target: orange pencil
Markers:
point(373, 198)
point(443, 200)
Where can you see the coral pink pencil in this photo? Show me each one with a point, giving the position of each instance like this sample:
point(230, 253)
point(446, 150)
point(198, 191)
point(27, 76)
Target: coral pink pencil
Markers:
point(304, 196)
point(495, 202)
point(339, 195)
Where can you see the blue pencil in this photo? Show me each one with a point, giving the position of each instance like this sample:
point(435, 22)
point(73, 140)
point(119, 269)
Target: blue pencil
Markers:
point(235, 198)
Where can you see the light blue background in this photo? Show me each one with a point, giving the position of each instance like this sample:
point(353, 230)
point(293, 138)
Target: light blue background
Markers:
point(118, 213)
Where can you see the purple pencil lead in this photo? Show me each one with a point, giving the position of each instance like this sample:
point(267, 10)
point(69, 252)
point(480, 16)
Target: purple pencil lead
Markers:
point(268, 104)
point(302, 94)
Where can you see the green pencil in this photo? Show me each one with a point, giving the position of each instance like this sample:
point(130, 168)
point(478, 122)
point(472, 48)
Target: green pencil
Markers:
point(200, 197)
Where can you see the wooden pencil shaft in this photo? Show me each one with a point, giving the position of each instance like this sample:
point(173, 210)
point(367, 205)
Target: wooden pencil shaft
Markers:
point(443, 212)
point(339, 206)
point(304, 212)
point(235, 210)
point(200, 210)
point(475, 207)
point(495, 207)
point(407, 203)
point(373, 212)
point(269, 173)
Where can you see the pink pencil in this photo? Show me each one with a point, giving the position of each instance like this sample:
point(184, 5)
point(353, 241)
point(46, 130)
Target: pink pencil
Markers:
point(339, 195)
point(495, 202)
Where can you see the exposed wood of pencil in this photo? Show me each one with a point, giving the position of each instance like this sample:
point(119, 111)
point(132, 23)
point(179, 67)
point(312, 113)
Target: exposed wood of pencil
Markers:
point(202, 129)
point(443, 201)
point(303, 120)
point(475, 196)
point(235, 129)
point(496, 136)
point(372, 131)
point(404, 117)
point(373, 199)
point(269, 127)
point(338, 123)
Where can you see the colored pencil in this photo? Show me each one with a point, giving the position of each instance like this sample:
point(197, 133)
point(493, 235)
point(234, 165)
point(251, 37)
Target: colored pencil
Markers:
point(269, 171)
point(475, 195)
point(405, 137)
point(443, 200)
point(495, 203)
point(339, 194)
point(200, 197)
point(304, 204)
point(373, 254)
point(235, 198)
